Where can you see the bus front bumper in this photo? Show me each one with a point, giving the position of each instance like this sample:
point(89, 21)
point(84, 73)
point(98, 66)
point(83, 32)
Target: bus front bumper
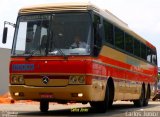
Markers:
point(69, 93)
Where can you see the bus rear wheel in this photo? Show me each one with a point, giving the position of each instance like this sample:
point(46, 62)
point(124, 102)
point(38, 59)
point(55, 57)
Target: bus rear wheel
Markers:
point(145, 103)
point(102, 106)
point(140, 101)
point(44, 105)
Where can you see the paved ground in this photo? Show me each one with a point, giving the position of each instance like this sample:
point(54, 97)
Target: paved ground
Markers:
point(120, 109)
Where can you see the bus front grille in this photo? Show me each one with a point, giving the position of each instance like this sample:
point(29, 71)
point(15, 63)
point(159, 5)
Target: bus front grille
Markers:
point(46, 80)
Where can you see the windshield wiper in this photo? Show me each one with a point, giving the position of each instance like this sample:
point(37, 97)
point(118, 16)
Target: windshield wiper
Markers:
point(62, 53)
point(32, 52)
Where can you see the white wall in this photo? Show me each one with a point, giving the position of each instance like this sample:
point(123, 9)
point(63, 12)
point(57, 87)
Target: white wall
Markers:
point(4, 70)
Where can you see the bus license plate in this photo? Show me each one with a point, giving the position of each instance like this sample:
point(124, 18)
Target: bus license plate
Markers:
point(46, 95)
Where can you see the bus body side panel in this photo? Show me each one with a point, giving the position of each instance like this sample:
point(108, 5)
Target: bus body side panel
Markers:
point(128, 73)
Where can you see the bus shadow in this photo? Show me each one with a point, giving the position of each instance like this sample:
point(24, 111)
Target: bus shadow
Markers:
point(115, 111)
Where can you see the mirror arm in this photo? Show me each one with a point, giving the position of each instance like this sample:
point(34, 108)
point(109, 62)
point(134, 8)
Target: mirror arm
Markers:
point(9, 23)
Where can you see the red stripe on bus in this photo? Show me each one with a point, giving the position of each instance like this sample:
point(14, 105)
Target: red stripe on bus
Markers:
point(129, 67)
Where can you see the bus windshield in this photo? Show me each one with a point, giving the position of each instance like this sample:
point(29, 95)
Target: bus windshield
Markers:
point(53, 35)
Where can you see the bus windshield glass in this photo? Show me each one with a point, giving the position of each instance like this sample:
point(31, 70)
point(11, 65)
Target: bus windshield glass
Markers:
point(53, 35)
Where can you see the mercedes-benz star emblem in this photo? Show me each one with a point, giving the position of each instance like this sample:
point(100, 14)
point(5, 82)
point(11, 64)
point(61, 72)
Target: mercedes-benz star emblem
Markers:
point(45, 80)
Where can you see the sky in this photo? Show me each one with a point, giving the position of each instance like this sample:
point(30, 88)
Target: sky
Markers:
point(142, 16)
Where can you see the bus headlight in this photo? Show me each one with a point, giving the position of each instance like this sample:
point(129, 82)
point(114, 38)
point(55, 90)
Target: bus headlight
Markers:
point(81, 79)
point(77, 80)
point(17, 79)
point(13, 79)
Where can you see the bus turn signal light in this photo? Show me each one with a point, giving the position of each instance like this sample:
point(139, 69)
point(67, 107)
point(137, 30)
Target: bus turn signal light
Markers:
point(77, 94)
point(19, 94)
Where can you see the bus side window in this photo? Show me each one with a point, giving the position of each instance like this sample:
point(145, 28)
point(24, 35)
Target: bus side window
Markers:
point(108, 30)
point(119, 38)
point(128, 43)
point(154, 57)
point(136, 47)
point(143, 51)
point(149, 55)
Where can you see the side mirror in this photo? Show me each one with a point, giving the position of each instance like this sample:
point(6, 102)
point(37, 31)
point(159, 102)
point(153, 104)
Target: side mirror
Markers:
point(5, 31)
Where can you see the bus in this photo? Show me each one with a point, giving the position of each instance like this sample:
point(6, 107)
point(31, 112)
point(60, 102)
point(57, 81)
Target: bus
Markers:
point(113, 63)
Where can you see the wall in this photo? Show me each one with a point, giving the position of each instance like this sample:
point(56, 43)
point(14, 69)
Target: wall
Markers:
point(4, 70)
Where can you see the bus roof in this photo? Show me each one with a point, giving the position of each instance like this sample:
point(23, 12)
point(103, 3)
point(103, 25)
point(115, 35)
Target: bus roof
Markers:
point(83, 6)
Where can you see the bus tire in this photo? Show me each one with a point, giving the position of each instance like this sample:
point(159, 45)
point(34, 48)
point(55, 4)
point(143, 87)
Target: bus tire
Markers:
point(102, 106)
point(140, 101)
point(110, 104)
point(145, 103)
point(111, 94)
point(44, 105)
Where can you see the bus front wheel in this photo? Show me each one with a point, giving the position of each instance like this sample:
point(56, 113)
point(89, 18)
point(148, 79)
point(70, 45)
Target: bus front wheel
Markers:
point(44, 105)
point(102, 106)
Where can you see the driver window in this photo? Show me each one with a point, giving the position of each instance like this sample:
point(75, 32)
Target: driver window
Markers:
point(97, 35)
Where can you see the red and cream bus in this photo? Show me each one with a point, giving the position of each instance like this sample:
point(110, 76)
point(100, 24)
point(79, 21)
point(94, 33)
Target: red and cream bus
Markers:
point(112, 63)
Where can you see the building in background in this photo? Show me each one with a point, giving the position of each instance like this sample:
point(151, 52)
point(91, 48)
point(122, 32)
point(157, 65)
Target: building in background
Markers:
point(4, 69)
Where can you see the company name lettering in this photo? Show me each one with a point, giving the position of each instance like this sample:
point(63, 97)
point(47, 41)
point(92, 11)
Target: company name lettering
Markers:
point(23, 67)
